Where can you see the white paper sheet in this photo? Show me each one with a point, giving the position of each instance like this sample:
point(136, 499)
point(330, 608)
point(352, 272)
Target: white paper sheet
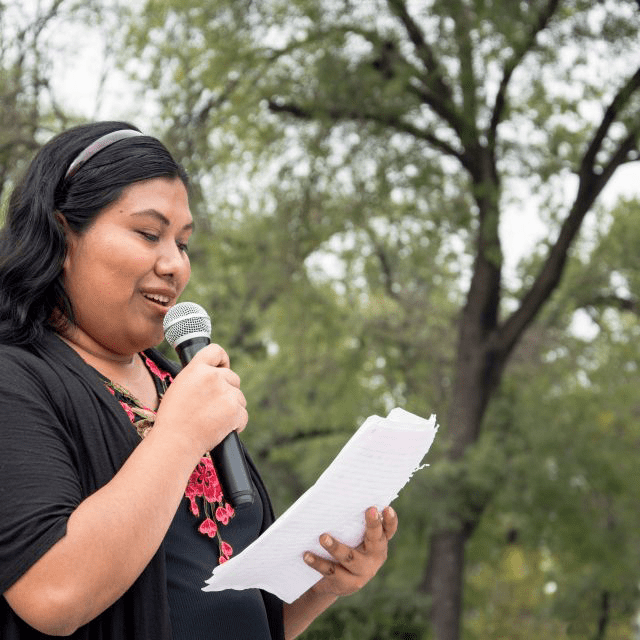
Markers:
point(371, 469)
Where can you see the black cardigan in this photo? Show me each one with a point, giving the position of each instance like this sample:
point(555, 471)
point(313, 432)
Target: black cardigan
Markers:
point(62, 437)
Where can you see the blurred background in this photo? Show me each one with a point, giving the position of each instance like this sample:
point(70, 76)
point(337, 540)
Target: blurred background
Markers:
point(430, 204)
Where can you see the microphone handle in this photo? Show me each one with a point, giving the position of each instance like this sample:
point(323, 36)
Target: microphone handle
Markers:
point(228, 457)
point(188, 349)
point(233, 472)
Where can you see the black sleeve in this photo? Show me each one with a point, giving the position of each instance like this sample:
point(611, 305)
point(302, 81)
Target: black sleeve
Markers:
point(39, 481)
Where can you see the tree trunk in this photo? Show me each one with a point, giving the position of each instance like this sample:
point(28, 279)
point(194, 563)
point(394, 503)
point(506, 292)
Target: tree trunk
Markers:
point(477, 374)
point(444, 580)
point(603, 620)
point(444, 574)
point(479, 366)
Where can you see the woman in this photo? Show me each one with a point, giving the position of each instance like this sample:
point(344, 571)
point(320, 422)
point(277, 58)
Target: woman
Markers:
point(111, 516)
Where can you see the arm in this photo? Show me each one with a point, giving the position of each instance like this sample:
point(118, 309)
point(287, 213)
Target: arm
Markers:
point(350, 570)
point(112, 535)
point(110, 538)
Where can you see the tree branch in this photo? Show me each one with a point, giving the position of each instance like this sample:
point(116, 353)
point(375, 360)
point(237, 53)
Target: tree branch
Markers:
point(299, 436)
point(519, 53)
point(508, 334)
point(394, 122)
point(620, 157)
point(618, 102)
point(451, 118)
point(618, 302)
point(422, 48)
point(385, 265)
point(27, 143)
point(590, 186)
point(43, 20)
point(439, 94)
point(215, 102)
point(467, 80)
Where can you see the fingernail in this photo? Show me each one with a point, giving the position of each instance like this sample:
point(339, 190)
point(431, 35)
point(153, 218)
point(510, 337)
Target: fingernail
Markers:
point(308, 558)
point(391, 512)
point(326, 540)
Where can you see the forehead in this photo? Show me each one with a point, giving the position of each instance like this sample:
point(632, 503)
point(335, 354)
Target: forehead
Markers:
point(165, 196)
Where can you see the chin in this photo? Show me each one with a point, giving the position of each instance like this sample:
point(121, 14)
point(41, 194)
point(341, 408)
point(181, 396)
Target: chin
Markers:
point(157, 339)
point(147, 341)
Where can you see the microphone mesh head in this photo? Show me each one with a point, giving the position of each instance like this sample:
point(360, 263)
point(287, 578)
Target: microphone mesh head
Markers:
point(184, 321)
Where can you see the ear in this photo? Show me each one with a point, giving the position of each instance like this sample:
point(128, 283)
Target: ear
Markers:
point(70, 236)
point(62, 221)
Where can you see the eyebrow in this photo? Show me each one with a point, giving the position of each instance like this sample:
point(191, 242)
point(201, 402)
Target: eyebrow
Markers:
point(154, 213)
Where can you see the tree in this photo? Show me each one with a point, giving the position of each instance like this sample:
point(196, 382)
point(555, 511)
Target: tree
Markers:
point(29, 108)
point(431, 122)
point(555, 554)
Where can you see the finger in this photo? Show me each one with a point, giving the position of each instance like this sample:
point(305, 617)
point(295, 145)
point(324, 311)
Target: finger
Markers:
point(213, 355)
point(242, 421)
point(322, 565)
point(346, 556)
point(229, 376)
point(343, 580)
point(389, 522)
point(236, 394)
point(374, 536)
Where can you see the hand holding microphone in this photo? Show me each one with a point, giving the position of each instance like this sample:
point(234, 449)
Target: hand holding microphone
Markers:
point(187, 329)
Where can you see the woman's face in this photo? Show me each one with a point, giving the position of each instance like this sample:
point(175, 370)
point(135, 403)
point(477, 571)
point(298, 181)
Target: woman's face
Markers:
point(128, 268)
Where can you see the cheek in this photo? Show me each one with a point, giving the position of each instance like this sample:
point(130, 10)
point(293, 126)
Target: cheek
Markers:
point(107, 270)
point(117, 273)
point(186, 275)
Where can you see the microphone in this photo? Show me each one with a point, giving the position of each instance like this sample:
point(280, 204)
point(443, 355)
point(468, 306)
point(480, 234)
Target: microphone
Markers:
point(187, 328)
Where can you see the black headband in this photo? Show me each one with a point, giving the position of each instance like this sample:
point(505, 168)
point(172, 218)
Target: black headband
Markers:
point(98, 145)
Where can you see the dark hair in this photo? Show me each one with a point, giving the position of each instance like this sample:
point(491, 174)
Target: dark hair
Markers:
point(32, 241)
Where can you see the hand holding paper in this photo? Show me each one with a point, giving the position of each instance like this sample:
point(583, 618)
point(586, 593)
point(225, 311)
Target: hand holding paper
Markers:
point(350, 569)
point(371, 469)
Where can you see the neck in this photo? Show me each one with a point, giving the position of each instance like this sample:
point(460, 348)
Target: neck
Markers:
point(95, 356)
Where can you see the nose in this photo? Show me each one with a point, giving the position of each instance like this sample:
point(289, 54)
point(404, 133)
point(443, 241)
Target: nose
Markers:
point(171, 262)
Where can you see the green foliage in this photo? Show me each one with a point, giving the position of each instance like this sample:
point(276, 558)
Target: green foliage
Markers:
point(29, 109)
point(561, 534)
point(373, 614)
point(353, 162)
point(341, 176)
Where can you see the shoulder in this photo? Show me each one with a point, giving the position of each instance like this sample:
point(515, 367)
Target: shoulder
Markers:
point(45, 369)
point(14, 359)
point(30, 386)
point(14, 352)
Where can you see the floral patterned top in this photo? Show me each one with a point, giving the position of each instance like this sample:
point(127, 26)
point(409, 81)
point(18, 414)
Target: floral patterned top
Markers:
point(203, 490)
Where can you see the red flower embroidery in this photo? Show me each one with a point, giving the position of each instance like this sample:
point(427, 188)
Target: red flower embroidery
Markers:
point(209, 528)
point(127, 408)
point(153, 367)
point(203, 481)
point(213, 490)
point(190, 494)
point(224, 513)
point(211, 487)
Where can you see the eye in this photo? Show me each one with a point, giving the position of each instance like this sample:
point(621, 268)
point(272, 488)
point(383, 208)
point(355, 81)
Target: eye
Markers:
point(183, 246)
point(151, 237)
